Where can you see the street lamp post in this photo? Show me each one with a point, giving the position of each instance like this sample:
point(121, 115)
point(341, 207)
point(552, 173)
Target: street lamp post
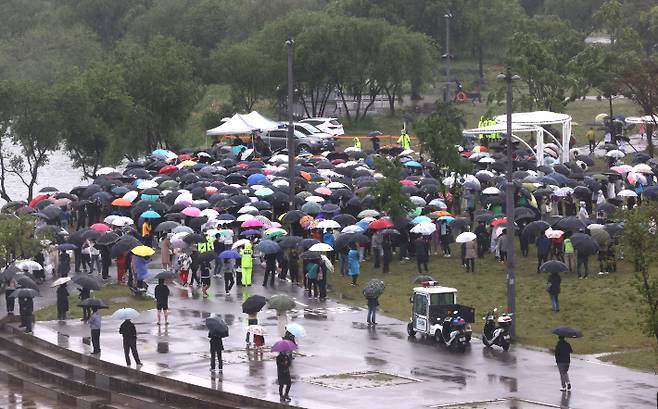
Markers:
point(447, 56)
point(290, 144)
point(509, 201)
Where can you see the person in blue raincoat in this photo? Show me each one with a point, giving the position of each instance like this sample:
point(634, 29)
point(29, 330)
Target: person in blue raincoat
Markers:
point(354, 266)
point(141, 270)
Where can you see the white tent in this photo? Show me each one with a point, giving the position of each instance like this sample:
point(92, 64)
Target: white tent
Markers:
point(647, 119)
point(516, 128)
point(240, 124)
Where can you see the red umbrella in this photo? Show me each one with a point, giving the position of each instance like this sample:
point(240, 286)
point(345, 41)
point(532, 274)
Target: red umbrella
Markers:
point(407, 182)
point(185, 156)
point(165, 170)
point(380, 224)
point(499, 221)
point(102, 227)
point(33, 202)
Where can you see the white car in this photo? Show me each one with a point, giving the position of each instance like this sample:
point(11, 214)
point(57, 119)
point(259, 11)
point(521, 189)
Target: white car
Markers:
point(328, 125)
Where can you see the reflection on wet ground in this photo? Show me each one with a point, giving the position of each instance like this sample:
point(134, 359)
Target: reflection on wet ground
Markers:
point(16, 398)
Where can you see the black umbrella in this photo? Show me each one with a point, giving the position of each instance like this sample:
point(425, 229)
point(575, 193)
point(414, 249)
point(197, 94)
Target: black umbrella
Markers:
point(253, 304)
point(535, 228)
point(207, 256)
point(346, 239)
point(422, 278)
point(567, 332)
point(24, 293)
point(107, 238)
point(570, 223)
point(345, 219)
point(78, 237)
point(165, 275)
point(66, 247)
point(217, 327)
point(614, 229)
point(307, 243)
point(93, 303)
point(92, 235)
point(288, 242)
point(26, 282)
point(85, 281)
point(9, 272)
point(523, 213)
point(584, 244)
point(311, 255)
point(553, 266)
point(166, 226)
point(194, 238)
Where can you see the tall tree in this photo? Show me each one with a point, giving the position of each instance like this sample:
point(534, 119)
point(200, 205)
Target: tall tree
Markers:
point(610, 17)
point(388, 191)
point(109, 19)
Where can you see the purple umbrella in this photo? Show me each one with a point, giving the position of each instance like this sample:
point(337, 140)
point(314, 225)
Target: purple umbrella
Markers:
point(284, 345)
point(250, 232)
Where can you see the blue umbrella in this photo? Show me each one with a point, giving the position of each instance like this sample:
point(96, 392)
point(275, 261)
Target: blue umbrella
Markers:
point(295, 329)
point(120, 190)
point(152, 198)
point(311, 208)
point(268, 247)
point(447, 219)
point(256, 179)
point(362, 224)
point(237, 149)
point(67, 246)
point(266, 191)
point(150, 214)
point(250, 232)
point(101, 196)
point(412, 164)
point(420, 219)
point(230, 254)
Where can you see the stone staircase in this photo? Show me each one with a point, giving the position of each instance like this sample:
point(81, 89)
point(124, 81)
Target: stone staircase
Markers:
point(85, 382)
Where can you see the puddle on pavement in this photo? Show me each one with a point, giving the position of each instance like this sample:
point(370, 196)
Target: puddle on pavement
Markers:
point(12, 397)
point(503, 404)
point(443, 375)
point(373, 360)
point(239, 356)
point(359, 380)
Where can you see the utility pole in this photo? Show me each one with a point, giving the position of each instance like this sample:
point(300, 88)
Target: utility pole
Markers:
point(509, 201)
point(290, 43)
point(447, 56)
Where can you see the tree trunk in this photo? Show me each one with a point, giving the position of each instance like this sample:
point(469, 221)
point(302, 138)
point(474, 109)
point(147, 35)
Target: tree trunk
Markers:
point(480, 60)
point(342, 98)
point(649, 130)
point(610, 104)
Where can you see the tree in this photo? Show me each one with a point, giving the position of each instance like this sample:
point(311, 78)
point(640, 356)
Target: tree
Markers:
point(109, 19)
point(440, 133)
point(17, 239)
point(641, 246)
point(596, 66)
point(388, 190)
point(610, 17)
point(98, 118)
point(162, 81)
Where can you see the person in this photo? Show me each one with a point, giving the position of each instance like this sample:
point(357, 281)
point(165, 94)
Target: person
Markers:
point(557, 249)
point(162, 300)
point(184, 262)
point(216, 348)
point(376, 247)
point(62, 302)
point(165, 252)
point(374, 139)
point(25, 309)
point(228, 268)
point(194, 267)
point(106, 260)
point(543, 244)
point(205, 278)
point(252, 319)
point(470, 252)
point(354, 268)
point(84, 294)
point(563, 359)
point(444, 231)
point(501, 245)
point(95, 259)
point(591, 139)
point(422, 254)
point(569, 254)
point(64, 266)
point(246, 263)
point(121, 268)
point(218, 246)
point(373, 302)
point(293, 265)
point(482, 238)
point(553, 288)
point(404, 140)
point(95, 326)
point(10, 287)
point(312, 270)
point(270, 269)
point(387, 253)
point(582, 261)
point(357, 143)
point(283, 375)
point(129, 333)
point(469, 195)
point(146, 233)
point(582, 213)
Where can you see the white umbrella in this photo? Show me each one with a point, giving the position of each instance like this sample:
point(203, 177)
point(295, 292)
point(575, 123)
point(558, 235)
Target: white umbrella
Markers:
point(131, 196)
point(487, 160)
point(352, 229)
point(122, 221)
point(642, 168)
point(328, 224)
point(29, 265)
point(244, 217)
point(239, 243)
point(615, 153)
point(368, 213)
point(491, 190)
point(424, 228)
point(60, 281)
point(563, 192)
point(125, 314)
point(147, 184)
point(108, 219)
point(438, 203)
point(105, 171)
point(465, 237)
point(627, 193)
point(209, 213)
point(553, 234)
point(321, 247)
point(418, 201)
point(595, 226)
point(248, 209)
point(314, 199)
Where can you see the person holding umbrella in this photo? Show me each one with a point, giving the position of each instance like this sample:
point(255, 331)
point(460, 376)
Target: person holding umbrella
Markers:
point(553, 288)
point(162, 300)
point(85, 293)
point(25, 309)
point(95, 322)
point(217, 329)
point(270, 269)
point(373, 303)
point(228, 268)
point(10, 287)
point(283, 361)
point(563, 360)
point(129, 334)
point(422, 253)
point(62, 301)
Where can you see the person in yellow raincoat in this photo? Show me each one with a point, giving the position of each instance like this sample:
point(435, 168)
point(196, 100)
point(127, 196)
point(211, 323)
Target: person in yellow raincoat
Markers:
point(404, 140)
point(246, 263)
point(357, 143)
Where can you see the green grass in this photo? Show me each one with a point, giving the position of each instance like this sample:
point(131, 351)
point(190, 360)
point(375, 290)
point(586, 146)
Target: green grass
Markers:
point(603, 308)
point(646, 360)
point(116, 296)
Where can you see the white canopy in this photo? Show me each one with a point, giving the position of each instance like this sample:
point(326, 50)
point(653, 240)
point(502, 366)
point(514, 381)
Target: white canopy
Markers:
point(647, 119)
point(536, 118)
point(499, 128)
point(239, 124)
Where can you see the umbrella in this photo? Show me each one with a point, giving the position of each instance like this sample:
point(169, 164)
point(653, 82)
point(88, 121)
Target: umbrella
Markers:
point(311, 255)
point(256, 330)
point(150, 214)
point(60, 281)
point(143, 251)
point(26, 282)
point(107, 238)
point(328, 224)
point(423, 278)
point(553, 266)
point(253, 304)
point(30, 265)
point(227, 254)
point(296, 330)
point(601, 236)
point(217, 327)
point(567, 332)
point(125, 314)
point(281, 302)
point(535, 228)
point(165, 275)
point(93, 303)
point(373, 288)
point(424, 228)
point(9, 272)
point(289, 242)
point(465, 237)
point(167, 226)
point(284, 345)
point(66, 247)
point(584, 244)
point(85, 281)
point(24, 292)
point(380, 224)
point(101, 227)
point(268, 247)
point(321, 247)
point(240, 243)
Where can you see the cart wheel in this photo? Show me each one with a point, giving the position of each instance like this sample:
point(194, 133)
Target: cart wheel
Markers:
point(410, 330)
point(505, 346)
point(437, 337)
point(461, 347)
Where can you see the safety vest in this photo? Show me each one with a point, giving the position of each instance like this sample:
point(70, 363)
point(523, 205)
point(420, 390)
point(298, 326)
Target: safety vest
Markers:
point(404, 141)
point(246, 254)
point(208, 245)
point(357, 143)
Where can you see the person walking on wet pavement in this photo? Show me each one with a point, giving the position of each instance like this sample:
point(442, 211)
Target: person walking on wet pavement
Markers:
point(563, 359)
point(62, 302)
point(10, 286)
point(228, 268)
point(162, 300)
point(216, 348)
point(95, 326)
point(373, 302)
point(283, 375)
point(252, 319)
point(422, 254)
point(270, 269)
point(129, 333)
point(84, 294)
point(205, 278)
point(246, 263)
point(25, 309)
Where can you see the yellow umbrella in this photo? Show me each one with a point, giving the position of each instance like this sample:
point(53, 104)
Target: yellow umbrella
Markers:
point(600, 117)
point(143, 251)
point(186, 164)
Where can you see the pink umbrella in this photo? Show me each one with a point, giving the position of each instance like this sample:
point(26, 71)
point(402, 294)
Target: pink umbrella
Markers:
point(622, 168)
point(252, 223)
point(324, 191)
point(102, 227)
point(554, 234)
point(191, 211)
point(407, 182)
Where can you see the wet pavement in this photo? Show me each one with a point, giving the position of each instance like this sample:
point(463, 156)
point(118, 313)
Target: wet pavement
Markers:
point(343, 363)
point(15, 398)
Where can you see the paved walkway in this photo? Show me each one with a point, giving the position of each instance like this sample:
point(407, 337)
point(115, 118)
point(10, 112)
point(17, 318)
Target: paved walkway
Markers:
point(344, 364)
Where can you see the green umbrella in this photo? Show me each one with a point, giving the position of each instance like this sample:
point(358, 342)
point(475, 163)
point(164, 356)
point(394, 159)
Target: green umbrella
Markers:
point(281, 302)
point(374, 288)
point(168, 184)
point(601, 236)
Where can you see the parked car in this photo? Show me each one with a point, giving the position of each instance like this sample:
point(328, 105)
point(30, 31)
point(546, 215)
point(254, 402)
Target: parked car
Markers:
point(310, 130)
point(328, 125)
point(277, 139)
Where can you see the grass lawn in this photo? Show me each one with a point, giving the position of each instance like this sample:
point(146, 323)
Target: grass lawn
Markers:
point(602, 307)
point(645, 360)
point(116, 296)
